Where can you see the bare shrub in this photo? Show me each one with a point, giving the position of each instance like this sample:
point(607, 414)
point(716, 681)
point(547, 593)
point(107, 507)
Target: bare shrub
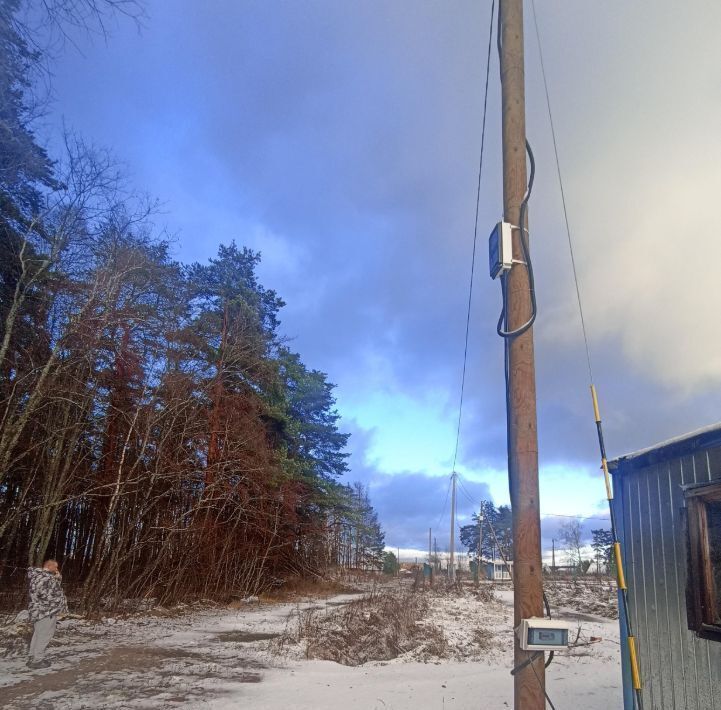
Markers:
point(483, 638)
point(590, 596)
point(435, 644)
point(485, 593)
point(378, 627)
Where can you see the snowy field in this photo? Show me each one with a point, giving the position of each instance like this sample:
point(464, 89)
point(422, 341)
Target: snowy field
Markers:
point(255, 657)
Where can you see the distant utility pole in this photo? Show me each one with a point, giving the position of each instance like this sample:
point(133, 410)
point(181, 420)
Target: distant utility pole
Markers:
point(452, 568)
point(553, 555)
point(430, 550)
point(529, 682)
point(480, 537)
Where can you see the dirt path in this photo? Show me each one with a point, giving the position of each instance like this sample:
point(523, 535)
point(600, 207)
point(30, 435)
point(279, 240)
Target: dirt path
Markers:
point(181, 661)
point(145, 672)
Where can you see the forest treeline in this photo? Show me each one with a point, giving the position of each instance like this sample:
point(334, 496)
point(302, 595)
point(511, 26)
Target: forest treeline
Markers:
point(157, 436)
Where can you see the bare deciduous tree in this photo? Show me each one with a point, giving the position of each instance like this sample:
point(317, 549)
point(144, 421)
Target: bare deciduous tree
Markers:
point(572, 538)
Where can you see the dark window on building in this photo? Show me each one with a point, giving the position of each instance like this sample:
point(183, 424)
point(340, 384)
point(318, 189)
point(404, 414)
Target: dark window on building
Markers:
point(713, 519)
point(703, 591)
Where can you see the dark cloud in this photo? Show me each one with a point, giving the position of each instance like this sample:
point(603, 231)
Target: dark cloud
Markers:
point(342, 139)
point(410, 503)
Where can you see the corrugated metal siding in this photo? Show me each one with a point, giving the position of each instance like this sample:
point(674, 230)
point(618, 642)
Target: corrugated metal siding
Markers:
point(679, 671)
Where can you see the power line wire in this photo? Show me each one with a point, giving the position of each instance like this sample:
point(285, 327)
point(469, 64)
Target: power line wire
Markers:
point(465, 492)
point(575, 517)
point(475, 237)
point(445, 502)
point(475, 502)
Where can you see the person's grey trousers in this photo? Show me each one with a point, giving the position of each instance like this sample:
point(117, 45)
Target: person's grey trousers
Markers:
point(44, 631)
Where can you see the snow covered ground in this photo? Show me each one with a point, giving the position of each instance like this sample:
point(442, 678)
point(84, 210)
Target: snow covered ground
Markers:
point(221, 659)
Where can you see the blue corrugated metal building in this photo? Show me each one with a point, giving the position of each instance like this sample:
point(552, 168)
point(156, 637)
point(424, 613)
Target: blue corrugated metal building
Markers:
point(667, 504)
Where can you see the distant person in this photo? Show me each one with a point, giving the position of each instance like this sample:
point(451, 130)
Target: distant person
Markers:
point(47, 601)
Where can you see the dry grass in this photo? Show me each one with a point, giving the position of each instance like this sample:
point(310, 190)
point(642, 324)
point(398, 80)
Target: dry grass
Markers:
point(381, 626)
point(295, 588)
point(484, 638)
point(590, 596)
point(485, 593)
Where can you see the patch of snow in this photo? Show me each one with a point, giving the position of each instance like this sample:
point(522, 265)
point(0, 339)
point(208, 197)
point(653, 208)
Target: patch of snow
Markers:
point(195, 660)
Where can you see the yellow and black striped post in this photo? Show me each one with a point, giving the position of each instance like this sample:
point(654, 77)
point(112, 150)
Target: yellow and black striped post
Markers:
point(621, 578)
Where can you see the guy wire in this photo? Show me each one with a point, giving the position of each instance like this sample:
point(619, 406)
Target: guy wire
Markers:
point(563, 194)
point(621, 582)
point(475, 237)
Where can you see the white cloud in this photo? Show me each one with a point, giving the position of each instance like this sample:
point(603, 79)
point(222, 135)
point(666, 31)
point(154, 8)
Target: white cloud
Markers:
point(636, 95)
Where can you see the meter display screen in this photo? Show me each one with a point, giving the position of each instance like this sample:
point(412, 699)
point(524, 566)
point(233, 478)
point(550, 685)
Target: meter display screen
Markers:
point(547, 637)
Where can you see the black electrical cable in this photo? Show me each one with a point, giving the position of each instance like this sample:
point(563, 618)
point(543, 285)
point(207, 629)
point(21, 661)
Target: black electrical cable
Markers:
point(521, 226)
point(548, 700)
point(501, 326)
point(527, 662)
point(549, 660)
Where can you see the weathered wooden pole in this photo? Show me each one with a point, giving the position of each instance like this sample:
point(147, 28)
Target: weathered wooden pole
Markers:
point(522, 434)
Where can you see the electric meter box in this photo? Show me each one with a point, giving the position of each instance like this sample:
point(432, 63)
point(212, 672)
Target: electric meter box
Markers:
point(537, 634)
point(500, 249)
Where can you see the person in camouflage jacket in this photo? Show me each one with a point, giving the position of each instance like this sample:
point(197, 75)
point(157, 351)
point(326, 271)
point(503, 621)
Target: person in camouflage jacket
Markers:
point(47, 601)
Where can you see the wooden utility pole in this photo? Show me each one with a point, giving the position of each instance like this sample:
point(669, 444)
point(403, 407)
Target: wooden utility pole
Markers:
point(480, 533)
point(452, 567)
point(553, 556)
point(522, 434)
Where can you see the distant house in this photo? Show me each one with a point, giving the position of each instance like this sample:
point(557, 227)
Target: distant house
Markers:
point(496, 570)
point(667, 504)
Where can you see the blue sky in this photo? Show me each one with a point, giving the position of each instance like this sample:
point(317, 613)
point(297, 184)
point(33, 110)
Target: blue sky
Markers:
point(341, 140)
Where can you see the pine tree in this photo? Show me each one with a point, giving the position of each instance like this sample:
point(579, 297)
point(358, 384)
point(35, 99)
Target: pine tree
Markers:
point(602, 544)
point(497, 538)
